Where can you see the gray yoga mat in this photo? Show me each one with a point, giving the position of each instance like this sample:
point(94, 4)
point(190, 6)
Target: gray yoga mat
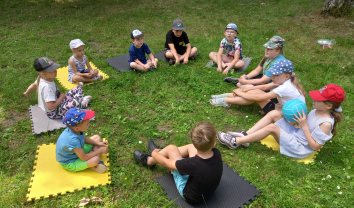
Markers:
point(247, 61)
point(233, 191)
point(120, 62)
point(40, 121)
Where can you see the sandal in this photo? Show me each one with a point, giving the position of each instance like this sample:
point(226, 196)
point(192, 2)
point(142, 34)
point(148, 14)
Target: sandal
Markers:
point(219, 102)
point(219, 96)
point(99, 77)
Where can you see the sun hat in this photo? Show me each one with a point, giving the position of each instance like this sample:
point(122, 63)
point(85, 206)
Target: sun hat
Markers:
point(275, 42)
point(76, 43)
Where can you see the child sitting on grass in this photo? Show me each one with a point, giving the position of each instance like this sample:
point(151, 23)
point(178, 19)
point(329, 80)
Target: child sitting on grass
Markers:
point(197, 168)
point(76, 152)
point(317, 127)
point(260, 75)
point(49, 98)
point(137, 52)
point(233, 47)
point(174, 49)
point(77, 70)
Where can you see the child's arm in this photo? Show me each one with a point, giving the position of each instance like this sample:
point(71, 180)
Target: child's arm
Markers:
point(233, 62)
point(152, 58)
point(188, 53)
point(255, 97)
point(174, 52)
point(73, 66)
point(169, 163)
point(263, 87)
point(325, 127)
point(84, 157)
point(221, 50)
point(51, 105)
point(88, 66)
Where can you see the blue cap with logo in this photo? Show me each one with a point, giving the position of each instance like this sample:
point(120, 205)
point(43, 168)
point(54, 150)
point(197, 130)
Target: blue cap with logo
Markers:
point(281, 67)
point(74, 116)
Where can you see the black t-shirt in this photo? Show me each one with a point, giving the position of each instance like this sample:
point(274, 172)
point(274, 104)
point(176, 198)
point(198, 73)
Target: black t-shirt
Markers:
point(204, 176)
point(177, 42)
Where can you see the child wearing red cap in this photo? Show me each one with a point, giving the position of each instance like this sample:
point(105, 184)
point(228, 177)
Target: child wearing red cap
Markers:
point(75, 151)
point(317, 127)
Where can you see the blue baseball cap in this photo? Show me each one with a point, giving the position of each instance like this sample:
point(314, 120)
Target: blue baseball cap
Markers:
point(281, 67)
point(231, 26)
point(74, 116)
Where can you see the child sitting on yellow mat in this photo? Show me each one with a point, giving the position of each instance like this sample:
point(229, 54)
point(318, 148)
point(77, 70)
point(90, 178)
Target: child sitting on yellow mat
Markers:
point(77, 71)
point(76, 152)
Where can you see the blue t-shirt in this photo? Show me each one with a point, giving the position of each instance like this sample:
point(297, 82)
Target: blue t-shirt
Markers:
point(269, 64)
point(138, 53)
point(66, 143)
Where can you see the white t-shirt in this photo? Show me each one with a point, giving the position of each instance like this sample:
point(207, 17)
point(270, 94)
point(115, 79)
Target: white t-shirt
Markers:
point(47, 92)
point(287, 91)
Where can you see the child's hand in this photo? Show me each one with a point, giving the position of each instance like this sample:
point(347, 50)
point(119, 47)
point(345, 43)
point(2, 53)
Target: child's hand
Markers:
point(103, 143)
point(146, 66)
point(156, 151)
point(62, 96)
point(301, 119)
point(177, 61)
point(185, 61)
point(236, 91)
point(219, 69)
point(225, 72)
point(103, 150)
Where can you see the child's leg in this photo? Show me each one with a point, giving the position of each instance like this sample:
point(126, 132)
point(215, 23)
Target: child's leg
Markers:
point(213, 56)
point(92, 162)
point(95, 72)
point(77, 78)
point(170, 55)
point(271, 129)
point(29, 90)
point(271, 117)
point(137, 66)
point(194, 50)
point(171, 152)
point(239, 85)
point(187, 150)
point(238, 101)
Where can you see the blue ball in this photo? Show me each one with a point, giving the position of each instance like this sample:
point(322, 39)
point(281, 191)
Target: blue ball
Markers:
point(292, 107)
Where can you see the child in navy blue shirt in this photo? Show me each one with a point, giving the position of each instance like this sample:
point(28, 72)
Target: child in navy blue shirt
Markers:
point(137, 51)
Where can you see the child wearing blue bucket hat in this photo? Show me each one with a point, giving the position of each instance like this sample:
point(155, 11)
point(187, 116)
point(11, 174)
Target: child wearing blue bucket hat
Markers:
point(233, 51)
point(76, 152)
point(285, 87)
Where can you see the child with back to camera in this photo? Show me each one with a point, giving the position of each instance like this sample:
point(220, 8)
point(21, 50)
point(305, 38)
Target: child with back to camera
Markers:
point(260, 75)
point(197, 168)
point(49, 98)
point(317, 127)
point(76, 152)
point(285, 87)
point(77, 70)
point(174, 49)
point(137, 51)
point(233, 47)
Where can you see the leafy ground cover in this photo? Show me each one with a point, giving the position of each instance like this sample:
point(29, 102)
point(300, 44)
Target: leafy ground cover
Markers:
point(166, 103)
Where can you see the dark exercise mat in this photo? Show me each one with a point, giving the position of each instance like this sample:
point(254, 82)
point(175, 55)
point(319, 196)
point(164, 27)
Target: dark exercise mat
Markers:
point(120, 62)
point(233, 191)
point(247, 61)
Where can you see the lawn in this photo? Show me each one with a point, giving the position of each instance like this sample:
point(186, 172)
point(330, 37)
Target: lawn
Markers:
point(166, 103)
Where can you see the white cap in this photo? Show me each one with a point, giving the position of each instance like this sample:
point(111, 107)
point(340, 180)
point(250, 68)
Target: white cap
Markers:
point(76, 43)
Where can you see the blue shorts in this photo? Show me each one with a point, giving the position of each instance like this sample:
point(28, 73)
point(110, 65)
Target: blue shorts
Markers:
point(181, 181)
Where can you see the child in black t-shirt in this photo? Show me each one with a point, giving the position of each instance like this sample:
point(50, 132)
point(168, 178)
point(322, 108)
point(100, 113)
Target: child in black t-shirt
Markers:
point(197, 168)
point(174, 49)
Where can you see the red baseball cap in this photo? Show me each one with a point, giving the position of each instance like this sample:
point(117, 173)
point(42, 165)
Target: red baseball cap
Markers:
point(330, 92)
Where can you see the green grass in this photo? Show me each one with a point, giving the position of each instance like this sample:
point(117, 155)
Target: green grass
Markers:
point(167, 103)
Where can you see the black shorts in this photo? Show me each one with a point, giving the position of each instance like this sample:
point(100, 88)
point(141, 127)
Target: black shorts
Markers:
point(270, 106)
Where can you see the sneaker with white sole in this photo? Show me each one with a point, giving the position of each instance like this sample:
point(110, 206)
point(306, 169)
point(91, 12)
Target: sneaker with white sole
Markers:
point(238, 134)
point(80, 84)
point(85, 101)
point(227, 139)
point(100, 168)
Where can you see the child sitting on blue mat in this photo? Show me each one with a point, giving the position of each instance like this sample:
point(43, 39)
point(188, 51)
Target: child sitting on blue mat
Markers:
point(233, 47)
point(76, 152)
point(197, 168)
point(77, 70)
point(137, 51)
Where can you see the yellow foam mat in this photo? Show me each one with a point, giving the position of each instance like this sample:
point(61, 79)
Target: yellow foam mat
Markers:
point(50, 179)
point(62, 77)
point(270, 142)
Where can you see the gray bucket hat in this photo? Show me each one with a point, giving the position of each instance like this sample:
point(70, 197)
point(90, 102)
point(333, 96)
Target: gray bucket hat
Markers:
point(275, 42)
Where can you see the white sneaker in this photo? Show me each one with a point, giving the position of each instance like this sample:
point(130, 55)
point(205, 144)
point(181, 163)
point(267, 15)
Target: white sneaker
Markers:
point(238, 134)
point(85, 101)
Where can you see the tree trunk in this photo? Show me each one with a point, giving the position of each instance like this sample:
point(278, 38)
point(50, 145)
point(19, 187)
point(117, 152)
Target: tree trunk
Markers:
point(336, 8)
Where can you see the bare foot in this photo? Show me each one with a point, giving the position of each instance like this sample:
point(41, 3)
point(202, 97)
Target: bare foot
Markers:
point(27, 95)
